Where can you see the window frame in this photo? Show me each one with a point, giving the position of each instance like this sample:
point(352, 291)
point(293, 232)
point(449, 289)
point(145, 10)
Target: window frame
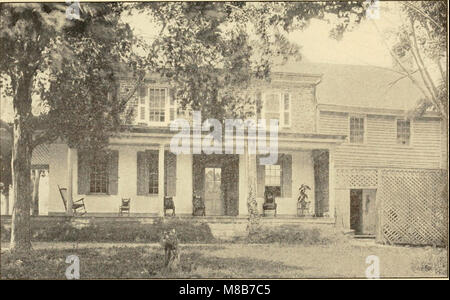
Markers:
point(360, 116)
point(105, 163)
point(410, 131)
point(170, 105)
point(266, 176)
point(281, 111)
point(153, 178)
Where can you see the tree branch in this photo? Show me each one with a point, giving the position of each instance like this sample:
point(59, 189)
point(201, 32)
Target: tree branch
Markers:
point(413, 80)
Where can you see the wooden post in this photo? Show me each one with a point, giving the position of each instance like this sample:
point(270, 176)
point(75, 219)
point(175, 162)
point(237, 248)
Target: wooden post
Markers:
point(161, 180)
point(243, 182)
point(379, 211)
point(70, 156)
point(331, 187)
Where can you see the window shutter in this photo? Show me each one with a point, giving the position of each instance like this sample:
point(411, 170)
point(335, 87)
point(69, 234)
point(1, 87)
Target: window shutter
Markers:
point(260, 179)
point(113, 172)
point(142, 171)
point(286, 173)
point(83, 173)
point(170, 174)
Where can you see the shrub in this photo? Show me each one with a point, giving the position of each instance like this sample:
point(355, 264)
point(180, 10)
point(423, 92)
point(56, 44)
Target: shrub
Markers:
point(65, 231)
point(433, 261)
point(288, 234)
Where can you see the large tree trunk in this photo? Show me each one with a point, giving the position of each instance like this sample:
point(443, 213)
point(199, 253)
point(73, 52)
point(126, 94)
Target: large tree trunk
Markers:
point(21, 166)
point(35, 197)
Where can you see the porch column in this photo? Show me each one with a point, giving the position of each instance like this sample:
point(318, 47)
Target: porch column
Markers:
point(161, 180)
point(70, 157)
point(331, 187)
point(243, 183)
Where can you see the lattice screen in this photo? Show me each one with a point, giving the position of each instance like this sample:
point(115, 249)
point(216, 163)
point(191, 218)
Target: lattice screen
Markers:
point(356, 178)
point(413, 210)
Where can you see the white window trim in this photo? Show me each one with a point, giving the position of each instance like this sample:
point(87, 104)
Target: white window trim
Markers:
point(146, 106)
point(410, 132)
point(281, 106)
point(365, 128)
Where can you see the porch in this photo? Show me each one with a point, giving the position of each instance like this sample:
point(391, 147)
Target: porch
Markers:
point(143, 168)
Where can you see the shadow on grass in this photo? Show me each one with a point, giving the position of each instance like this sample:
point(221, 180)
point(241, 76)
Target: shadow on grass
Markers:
point(137, 262)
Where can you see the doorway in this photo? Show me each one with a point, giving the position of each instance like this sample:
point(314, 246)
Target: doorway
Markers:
point(363, 211)
point(213, 191)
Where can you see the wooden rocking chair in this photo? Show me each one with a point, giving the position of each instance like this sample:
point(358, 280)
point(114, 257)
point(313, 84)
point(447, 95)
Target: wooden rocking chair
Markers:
point(125, 207)
point(77, 206)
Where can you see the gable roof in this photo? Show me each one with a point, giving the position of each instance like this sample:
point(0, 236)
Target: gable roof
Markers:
point(358, 86)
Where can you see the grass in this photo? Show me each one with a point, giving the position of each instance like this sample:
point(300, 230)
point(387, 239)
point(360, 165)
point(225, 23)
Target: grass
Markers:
point(221, 261)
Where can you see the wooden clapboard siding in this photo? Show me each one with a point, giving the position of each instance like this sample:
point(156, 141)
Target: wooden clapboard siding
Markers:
point(380, 148)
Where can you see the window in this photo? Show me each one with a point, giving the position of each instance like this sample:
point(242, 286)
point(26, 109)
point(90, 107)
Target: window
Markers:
point(273, 175)
point(403, 132)
point(156, 106)
point(278, 106)
point(153, 174)
point(357, 130)
point(99, 176)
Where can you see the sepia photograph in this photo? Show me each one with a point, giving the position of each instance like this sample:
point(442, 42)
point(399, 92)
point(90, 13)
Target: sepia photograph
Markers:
point(224, 140)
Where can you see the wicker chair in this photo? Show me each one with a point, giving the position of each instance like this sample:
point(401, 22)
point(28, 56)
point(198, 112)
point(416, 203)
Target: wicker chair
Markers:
point(168, 204)
point(198, 206)
point(269, 203)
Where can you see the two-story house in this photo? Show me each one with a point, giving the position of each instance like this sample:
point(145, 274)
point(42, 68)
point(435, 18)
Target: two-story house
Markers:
point(343, 131)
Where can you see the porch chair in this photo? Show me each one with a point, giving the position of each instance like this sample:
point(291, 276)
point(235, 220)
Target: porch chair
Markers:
point(198, 206)
point(125, 207)
point(77, 206)
point(168, 204)
point(269, 203)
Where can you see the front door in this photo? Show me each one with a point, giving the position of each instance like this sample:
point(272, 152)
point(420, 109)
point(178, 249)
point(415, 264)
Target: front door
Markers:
point(213, 191)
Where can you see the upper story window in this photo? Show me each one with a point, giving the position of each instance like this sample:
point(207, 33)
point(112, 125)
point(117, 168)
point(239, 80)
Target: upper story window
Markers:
point(277, 106)
point(403, 132)
point(357, 129)
point(156, 106)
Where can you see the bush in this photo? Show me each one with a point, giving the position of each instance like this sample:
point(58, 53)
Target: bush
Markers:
point(433, 261)
point(64, 231)
point(288, 234)
point(5, 234)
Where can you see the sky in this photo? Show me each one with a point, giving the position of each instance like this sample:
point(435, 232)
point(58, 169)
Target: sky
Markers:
point(361, 46)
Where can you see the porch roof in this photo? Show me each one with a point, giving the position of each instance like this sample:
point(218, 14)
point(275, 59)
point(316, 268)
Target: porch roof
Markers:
point(143, 135)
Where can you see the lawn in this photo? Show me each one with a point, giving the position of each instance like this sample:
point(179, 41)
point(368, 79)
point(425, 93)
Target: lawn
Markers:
point(345, 258)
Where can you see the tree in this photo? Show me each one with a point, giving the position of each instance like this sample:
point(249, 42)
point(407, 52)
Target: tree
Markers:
point(68, 63)
point(423, 38)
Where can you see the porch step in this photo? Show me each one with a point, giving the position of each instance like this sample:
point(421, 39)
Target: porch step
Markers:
point(364, 236)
